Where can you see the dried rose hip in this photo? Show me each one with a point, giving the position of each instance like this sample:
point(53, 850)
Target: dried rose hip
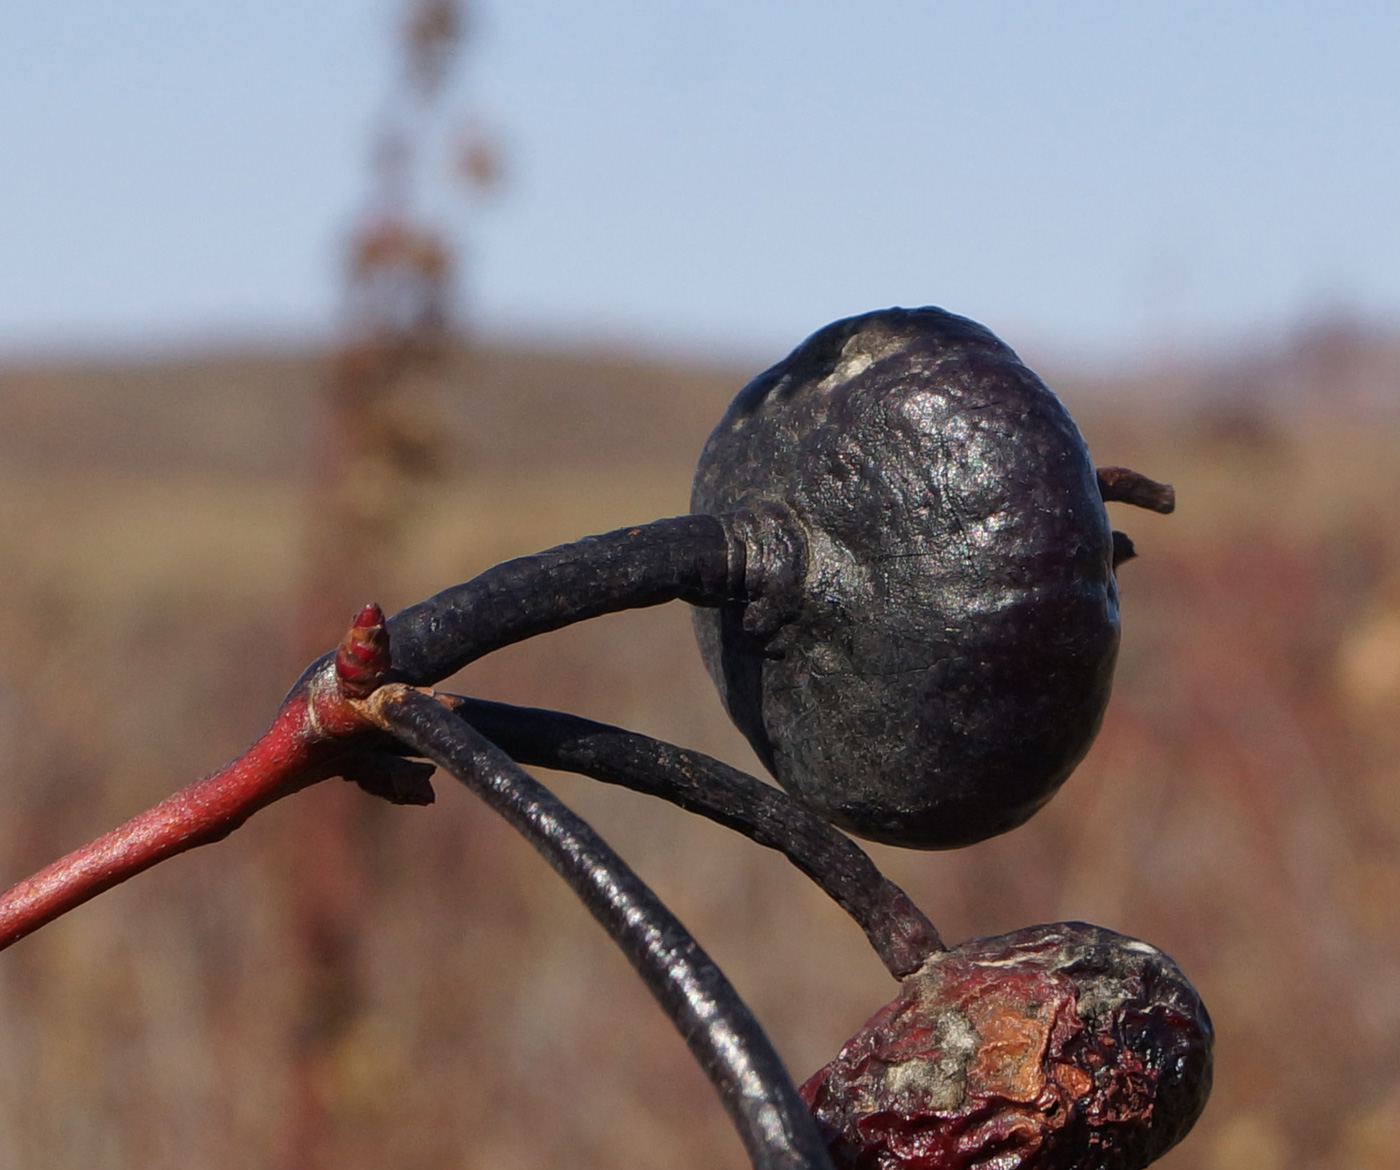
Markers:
point(939, 661)
point(1060, 1047)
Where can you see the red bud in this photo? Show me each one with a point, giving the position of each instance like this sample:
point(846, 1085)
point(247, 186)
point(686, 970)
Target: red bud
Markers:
point(363, 659)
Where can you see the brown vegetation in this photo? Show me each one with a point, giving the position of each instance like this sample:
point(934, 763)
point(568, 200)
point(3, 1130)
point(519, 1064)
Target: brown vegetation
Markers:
point(1241, 808)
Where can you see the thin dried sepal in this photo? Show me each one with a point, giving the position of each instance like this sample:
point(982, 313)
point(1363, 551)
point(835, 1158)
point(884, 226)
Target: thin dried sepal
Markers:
point(1122, 485)
point(1123, 549)
point(389, 777)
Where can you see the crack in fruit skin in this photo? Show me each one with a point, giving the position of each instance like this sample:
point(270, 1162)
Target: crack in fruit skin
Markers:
point(1060, 1047)
point(942, 662)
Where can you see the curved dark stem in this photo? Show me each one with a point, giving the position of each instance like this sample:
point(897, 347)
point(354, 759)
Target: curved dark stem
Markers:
point(898, 930)
point(755, 1088)
point(685, 558)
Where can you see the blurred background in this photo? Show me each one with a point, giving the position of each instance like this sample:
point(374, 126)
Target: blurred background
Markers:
point(306, 304)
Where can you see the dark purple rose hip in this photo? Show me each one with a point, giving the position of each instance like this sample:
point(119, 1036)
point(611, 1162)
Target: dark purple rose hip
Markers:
point(939, 660)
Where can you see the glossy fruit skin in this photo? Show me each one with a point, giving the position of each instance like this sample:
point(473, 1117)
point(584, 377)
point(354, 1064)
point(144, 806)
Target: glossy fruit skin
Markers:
point(940, 662)
point(1059, 1047)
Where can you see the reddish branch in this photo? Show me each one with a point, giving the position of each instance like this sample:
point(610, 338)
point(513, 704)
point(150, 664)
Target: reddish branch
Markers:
point(334, 723)
point(310, 739)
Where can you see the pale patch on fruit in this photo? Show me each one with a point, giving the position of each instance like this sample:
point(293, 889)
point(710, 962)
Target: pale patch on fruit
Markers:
point(861, 352)
point(941, 1081)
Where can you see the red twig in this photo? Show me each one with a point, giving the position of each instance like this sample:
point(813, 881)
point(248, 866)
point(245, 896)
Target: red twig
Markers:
point(307, 742)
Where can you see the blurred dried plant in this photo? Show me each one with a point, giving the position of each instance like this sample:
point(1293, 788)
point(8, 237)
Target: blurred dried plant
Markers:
point(381, 447)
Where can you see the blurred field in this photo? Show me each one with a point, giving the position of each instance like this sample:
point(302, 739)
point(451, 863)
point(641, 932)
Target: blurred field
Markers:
point(1241, 808)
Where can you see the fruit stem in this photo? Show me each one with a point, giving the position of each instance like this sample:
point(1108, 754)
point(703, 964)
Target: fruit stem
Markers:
point(899, 931)
point(722, 1034)
point(685, 558)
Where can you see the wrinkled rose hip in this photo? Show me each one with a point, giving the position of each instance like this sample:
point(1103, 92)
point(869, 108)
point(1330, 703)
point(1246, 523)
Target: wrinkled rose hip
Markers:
point(1064, 1046)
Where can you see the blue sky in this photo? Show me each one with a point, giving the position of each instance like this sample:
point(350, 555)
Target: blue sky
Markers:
point(1092, 178)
